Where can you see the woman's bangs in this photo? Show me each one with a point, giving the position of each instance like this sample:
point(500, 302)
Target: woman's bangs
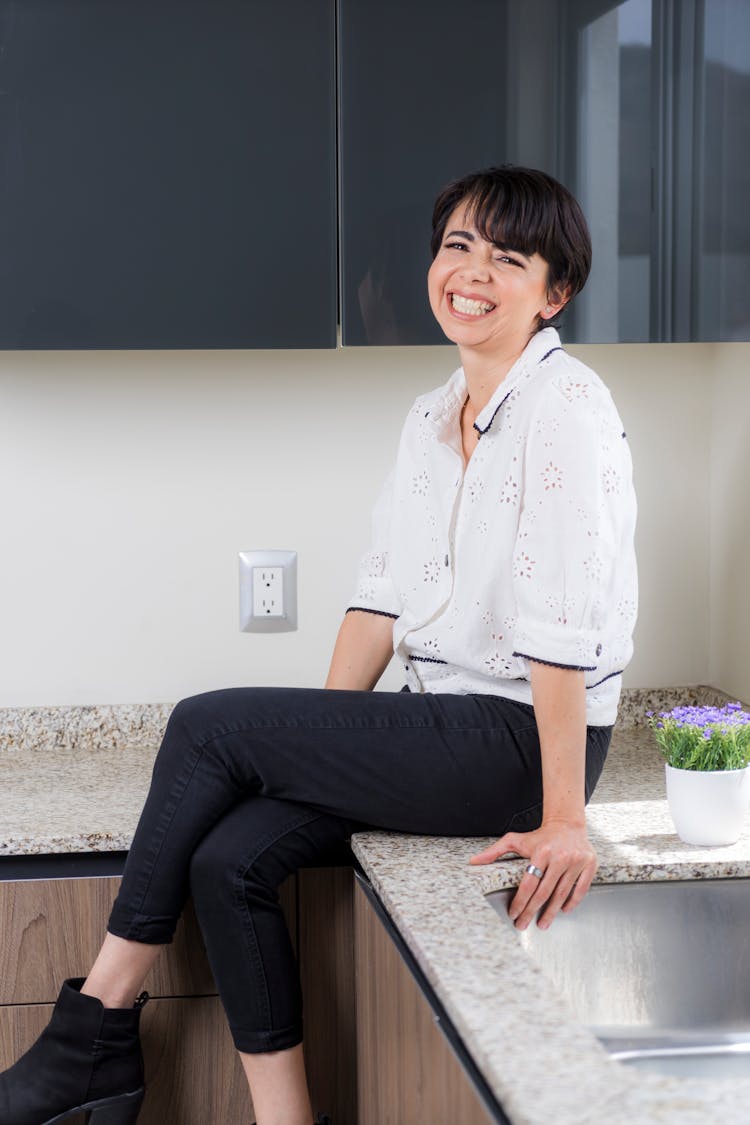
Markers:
point(507, 219)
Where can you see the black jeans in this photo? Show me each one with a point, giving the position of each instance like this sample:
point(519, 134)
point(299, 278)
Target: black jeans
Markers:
point(251, 784)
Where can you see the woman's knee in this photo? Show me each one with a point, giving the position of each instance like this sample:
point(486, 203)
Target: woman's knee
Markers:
point(222, 876)
point(190, 716)
point(256, 845)
point(241, 848)
point(189, 726)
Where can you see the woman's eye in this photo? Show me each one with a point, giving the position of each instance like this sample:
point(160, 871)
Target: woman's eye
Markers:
point(507, 258)
point(456, 246)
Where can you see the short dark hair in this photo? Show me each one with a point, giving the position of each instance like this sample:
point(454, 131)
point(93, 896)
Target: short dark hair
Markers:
point(527, 210)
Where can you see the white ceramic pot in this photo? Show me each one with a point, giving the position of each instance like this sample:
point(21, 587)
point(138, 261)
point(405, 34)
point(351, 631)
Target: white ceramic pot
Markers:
point(708, 807)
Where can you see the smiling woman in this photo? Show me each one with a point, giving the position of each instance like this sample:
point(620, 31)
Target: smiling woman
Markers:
point(502, 574)
point(522, 213)
point(510, 248)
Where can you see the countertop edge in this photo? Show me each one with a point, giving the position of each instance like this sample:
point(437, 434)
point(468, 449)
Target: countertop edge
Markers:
point(494, 995)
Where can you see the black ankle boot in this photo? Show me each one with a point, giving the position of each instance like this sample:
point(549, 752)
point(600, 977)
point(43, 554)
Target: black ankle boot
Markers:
point(87, 1059)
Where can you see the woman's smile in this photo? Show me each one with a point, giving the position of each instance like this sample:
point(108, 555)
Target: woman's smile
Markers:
point(472, 306)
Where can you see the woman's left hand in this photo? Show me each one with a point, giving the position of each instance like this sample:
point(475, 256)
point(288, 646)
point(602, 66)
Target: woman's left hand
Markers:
point(562, 851)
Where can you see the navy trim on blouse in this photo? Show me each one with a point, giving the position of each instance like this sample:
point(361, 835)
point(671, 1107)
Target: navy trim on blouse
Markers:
point(609, 677)
point(481, 431)
point(427, 659)
point(554, 664)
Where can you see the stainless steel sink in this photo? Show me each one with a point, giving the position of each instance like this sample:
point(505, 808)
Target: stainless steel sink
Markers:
point(660, 972)
point(724, 1058)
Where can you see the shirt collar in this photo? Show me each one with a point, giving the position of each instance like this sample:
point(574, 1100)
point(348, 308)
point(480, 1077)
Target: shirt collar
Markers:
point(451, 399)
point(538, 348)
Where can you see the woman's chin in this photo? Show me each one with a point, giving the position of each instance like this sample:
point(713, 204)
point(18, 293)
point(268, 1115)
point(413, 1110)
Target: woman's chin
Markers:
point(462, 331)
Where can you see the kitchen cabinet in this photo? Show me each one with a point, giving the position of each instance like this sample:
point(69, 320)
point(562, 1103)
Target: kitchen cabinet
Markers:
point(193, 1075)
point(407, 1071)
point(168, 174)
point(51, 929)
point(373, 1049)
point(325, 945)
point(636, 105)
point(178, 175)
point(420, 103)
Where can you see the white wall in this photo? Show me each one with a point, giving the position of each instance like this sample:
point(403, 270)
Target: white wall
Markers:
point(730, 522)
point(662, 392)
point(130, 481)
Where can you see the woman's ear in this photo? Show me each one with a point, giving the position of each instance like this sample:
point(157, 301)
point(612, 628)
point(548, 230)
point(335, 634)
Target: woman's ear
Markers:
point(557, 299)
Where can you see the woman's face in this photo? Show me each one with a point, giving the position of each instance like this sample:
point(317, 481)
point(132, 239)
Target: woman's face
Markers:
point(485, 296)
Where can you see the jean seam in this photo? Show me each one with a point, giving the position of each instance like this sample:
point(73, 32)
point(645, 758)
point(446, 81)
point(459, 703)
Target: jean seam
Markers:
point(137, 910)
point(248, 927)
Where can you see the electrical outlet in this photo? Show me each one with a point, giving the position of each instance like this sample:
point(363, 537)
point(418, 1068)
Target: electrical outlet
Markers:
point(268, 591)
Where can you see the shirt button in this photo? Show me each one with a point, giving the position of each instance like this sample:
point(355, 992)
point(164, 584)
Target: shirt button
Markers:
point(598, 650)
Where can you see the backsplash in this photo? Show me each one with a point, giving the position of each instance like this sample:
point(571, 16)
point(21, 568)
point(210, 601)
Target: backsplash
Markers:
point(124, 726)
point(636, 702)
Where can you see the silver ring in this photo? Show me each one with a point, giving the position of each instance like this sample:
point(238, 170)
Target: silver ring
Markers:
point(532, 870)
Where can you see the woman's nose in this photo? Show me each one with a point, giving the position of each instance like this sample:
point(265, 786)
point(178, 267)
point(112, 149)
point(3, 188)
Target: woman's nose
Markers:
point(476, 268)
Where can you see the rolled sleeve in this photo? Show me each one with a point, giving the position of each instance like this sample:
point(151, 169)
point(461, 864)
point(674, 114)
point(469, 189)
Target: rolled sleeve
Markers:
point(375, 591)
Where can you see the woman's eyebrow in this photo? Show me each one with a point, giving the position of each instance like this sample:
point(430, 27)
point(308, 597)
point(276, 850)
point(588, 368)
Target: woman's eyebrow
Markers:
point(511, 250)
point(461, 234)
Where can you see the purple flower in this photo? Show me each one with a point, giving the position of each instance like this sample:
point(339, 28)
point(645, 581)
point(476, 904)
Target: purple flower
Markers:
point(731, 714)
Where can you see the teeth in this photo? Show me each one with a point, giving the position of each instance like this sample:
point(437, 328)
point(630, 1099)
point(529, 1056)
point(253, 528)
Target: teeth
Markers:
point(466, 305)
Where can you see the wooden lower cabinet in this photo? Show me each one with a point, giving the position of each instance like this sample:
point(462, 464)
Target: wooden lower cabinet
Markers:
point(407, 1074)
point(374, 1053)
point(193, 1073)
point(326, 959)
point(51, 929)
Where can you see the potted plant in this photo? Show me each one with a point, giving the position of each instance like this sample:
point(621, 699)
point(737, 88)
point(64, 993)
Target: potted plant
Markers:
point(707, 753)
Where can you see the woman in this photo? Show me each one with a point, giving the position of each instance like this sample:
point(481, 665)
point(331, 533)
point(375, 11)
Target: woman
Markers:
point(502, 574)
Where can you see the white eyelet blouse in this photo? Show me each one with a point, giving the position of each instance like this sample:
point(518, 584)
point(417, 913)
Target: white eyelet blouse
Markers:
point(525, 554)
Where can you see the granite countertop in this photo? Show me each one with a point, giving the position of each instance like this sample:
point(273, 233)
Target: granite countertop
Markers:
point(74, 779)
point(84, 790)
point(541, 1064)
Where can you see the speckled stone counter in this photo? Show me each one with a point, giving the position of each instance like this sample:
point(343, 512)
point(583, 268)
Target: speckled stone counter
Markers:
point(542, 1066)
point(73, 780)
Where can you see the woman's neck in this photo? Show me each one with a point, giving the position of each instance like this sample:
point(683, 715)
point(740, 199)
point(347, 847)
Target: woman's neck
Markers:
point(484, 374)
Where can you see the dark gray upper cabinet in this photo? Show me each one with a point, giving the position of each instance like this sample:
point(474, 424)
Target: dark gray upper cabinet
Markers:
point(168, 174)
point(639, 106)
point(169, 168)
point(419, 105)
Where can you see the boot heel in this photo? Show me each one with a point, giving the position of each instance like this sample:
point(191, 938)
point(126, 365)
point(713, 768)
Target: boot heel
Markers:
point(123, 1112)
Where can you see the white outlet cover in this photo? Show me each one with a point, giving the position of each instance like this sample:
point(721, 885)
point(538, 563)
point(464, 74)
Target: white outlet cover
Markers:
point(251, 622)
